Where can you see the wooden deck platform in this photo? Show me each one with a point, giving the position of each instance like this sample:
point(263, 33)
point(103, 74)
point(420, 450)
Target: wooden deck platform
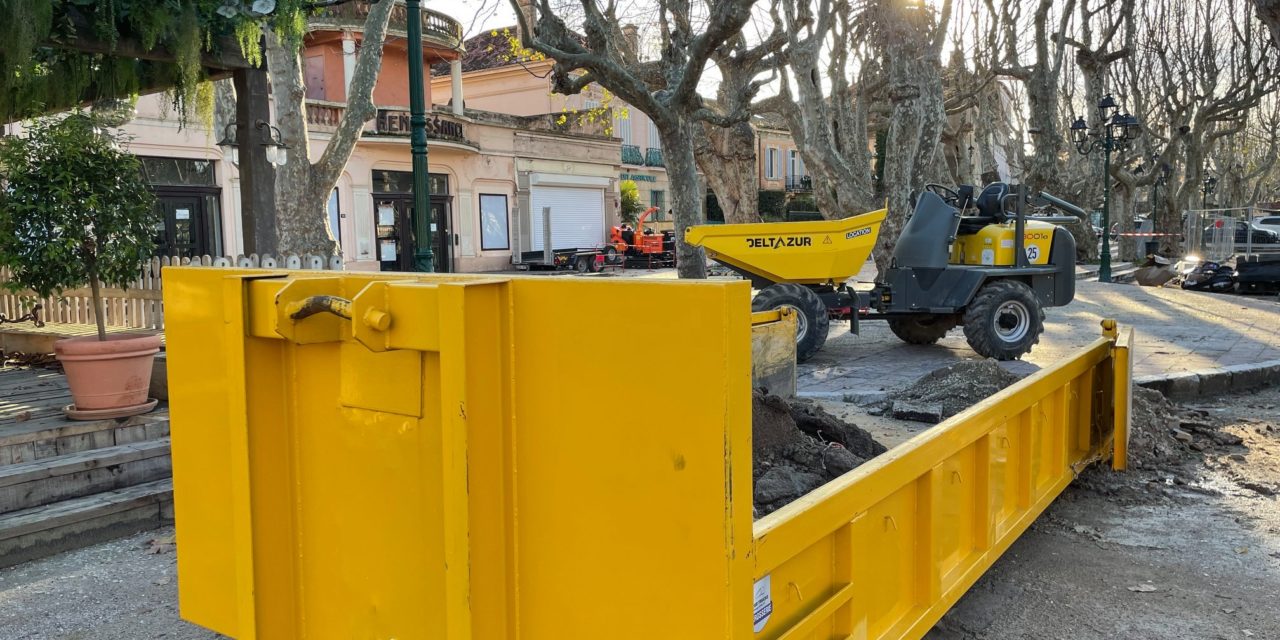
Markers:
point(66, 484)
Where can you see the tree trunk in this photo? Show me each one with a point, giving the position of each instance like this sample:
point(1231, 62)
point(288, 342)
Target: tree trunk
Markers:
point(224, 106)
point(1269, 13)
point(916, 121)
point(95, 289)
point(1042, 105)
point(303, 187)
point(301, 219)
point(1123, 210)
point(686, 193)
point(727, 156)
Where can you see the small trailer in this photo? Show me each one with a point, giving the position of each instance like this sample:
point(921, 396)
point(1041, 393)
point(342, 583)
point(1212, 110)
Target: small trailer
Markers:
point(553, 256)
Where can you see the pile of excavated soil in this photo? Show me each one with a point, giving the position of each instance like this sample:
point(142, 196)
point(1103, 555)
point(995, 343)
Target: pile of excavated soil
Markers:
point(797, 447)
point(944, 392)
point(1164, 435)
point(1167, 443)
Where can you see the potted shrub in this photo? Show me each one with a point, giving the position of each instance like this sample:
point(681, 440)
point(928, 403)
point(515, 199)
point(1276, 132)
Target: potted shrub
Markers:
point(75, 211)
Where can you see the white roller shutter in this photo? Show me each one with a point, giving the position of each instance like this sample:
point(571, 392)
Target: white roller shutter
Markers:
point(577, 217)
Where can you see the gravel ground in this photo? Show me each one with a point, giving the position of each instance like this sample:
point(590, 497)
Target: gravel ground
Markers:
point(121, 590)
point(1189, 551)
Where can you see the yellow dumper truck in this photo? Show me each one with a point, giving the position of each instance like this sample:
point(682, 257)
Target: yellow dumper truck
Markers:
point(962, 260)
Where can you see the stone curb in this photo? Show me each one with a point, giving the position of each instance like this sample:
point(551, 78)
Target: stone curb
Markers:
point(1209, 382)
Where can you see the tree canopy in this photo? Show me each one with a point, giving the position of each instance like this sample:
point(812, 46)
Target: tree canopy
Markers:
point(63, 53)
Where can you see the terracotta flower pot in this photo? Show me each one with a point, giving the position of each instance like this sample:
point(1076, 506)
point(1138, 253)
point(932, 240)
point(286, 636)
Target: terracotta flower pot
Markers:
point(108, 376)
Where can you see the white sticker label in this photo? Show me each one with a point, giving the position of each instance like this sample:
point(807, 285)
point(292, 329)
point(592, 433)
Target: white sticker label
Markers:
point(763, 604)
point(1006, 244)
point(386, 215)
point(388, 251)
point(988, 256)
point(1033, 253)
point(182, 214)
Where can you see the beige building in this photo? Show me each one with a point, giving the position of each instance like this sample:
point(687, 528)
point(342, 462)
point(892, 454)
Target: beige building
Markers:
point(492, 81)
point(488, 171)
point(777, 158)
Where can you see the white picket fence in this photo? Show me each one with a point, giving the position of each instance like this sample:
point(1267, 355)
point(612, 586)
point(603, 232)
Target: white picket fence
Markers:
point(141, 304)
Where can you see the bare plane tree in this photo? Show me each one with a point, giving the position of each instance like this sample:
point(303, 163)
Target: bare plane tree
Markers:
point(910, 38)
point(1040, 74)
point(727, 154)
point(665, 89)
point(1210, 64)
point(303, 186)
point(825, 102)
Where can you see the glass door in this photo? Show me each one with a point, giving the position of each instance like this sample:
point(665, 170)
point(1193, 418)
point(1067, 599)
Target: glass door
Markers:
point(393, 232)
point(441, 235)
point(181, 230)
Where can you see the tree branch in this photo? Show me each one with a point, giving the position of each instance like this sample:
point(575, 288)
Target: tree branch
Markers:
point(360, 108)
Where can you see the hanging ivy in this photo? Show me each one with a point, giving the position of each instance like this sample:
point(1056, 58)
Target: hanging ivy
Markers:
point(44, 65)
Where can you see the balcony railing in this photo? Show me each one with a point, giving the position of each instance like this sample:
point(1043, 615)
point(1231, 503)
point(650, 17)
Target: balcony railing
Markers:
point(799, 183)
point(437, 27)
point(653, 157)
point(631, 155)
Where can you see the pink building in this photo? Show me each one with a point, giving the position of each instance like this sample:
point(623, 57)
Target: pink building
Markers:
point(494, 81)
point(488, 170)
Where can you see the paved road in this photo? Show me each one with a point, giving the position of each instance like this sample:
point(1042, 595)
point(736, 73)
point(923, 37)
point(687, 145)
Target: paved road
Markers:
point(1177, 331)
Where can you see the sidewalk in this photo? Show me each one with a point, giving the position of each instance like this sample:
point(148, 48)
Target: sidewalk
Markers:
point(1177, 332)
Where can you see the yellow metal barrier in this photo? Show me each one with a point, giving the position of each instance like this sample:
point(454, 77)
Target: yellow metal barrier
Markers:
point(773, 351)
point(456, 458)
point(882, 552)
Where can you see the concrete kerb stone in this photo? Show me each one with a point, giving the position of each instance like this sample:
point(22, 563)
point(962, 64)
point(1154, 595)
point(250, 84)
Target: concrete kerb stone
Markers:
point(1215, 381)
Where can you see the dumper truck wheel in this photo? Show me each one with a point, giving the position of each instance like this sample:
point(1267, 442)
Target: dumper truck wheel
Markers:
point(812, 321)
point(1003, 320)
point(921, 329)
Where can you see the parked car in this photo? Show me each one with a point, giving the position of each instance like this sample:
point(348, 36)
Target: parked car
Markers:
point(1270, 223)
point(1261, 235)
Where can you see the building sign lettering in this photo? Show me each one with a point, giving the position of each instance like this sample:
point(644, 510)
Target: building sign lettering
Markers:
point(638, 177)
point(397, 123)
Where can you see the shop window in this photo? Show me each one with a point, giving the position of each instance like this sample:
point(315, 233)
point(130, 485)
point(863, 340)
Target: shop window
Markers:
point(335, 216)
point(386, 181)
point(185, 172)
point(658, 199)
point(493, 222)
point(314, 77)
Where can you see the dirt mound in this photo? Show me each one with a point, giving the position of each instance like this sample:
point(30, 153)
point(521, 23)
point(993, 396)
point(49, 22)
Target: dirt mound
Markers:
point(1167, 447)
point(944, 392)
point(798, 447)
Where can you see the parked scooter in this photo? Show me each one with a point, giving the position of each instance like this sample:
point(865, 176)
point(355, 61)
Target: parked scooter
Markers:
point(1210, 276)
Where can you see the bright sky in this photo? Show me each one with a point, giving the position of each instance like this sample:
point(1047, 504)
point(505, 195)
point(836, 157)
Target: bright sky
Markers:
point(476, 15)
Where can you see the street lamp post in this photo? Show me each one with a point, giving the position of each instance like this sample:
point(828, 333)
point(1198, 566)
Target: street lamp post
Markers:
point(1210, 183)
point(1115, 132)
point(423, 259)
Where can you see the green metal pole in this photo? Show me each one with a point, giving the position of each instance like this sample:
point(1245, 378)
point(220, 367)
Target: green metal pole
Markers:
point(1104, 269)
point(423, 258)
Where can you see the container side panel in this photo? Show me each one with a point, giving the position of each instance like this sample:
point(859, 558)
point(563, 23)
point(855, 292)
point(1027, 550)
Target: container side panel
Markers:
point(926, 519)
point(610, 484)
